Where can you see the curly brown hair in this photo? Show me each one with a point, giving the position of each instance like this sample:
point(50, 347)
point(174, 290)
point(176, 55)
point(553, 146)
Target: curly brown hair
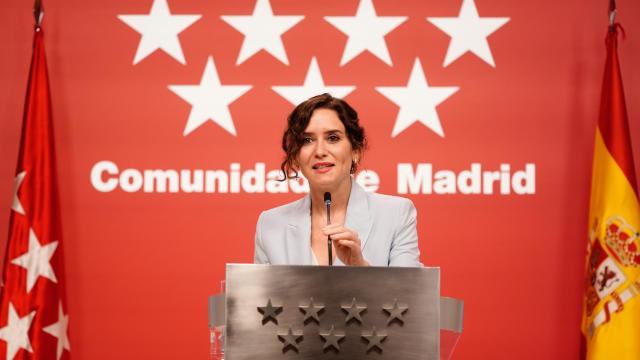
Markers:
point(298, 120)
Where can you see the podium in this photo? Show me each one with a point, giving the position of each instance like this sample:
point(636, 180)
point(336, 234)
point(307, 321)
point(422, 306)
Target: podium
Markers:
point(321, 312)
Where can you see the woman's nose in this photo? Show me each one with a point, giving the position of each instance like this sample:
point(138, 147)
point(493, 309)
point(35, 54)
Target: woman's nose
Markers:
point(320, 150)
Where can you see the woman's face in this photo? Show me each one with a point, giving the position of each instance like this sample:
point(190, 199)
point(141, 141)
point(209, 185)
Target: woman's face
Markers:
point(326, 154)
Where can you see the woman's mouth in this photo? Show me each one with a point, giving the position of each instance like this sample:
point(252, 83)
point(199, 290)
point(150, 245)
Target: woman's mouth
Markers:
point(322, 167)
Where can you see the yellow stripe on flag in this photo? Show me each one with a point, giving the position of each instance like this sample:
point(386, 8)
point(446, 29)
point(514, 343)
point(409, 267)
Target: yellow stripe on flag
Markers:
point(611, 318)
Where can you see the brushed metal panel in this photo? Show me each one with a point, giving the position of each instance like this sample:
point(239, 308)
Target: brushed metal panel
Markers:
point(251, 286)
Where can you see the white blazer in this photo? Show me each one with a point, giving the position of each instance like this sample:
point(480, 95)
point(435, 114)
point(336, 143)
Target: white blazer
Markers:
point(386, 226)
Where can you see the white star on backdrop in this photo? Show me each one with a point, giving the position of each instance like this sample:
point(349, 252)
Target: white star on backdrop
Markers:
point(366, 31)
point(313, 85)
point(417, 101)
point(17, 205)
point(16, 332)
point(468, 32)
point(209, 100)
point(159, 30)
point(37, 260)
point(59, 331)
point(262, 30)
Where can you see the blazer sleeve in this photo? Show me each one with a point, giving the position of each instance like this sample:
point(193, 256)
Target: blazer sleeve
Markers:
point(404, 247)
point(259, 255)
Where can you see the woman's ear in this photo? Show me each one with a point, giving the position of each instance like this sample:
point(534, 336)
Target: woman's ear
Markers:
point(357, 154)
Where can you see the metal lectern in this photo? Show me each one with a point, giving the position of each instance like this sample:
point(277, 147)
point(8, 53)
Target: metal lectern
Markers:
point(321, 312)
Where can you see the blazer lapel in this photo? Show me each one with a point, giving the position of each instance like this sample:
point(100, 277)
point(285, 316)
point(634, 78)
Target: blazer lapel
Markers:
point(298, 234)
point(358, 215)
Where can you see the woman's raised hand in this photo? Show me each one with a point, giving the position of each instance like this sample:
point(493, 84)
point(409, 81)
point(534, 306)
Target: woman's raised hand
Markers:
point(346, 243)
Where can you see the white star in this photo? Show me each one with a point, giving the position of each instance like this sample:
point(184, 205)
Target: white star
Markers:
point(313, 85)
point(468, 32)
point(37, 260)
point(366, 31)
point(159, 30)
point(209, 100)
point(16, 332)
point(17, 205)
point(417, 101)
point(262, 30)
point(59, 331)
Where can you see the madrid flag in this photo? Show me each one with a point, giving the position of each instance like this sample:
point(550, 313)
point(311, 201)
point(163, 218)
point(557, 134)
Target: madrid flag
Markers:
point(611, 318)
point(33, 315)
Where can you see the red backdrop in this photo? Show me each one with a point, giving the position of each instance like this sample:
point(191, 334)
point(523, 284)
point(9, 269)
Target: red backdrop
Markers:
point(141, 265)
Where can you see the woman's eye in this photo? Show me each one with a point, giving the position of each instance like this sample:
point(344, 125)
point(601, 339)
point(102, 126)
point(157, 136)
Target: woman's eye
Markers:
point(307, 140)
point(333, 138)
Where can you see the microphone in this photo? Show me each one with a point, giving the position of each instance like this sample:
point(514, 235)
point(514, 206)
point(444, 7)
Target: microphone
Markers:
point(327, 202)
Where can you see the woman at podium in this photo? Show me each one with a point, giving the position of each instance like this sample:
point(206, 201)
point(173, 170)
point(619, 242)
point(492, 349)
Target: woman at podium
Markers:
point(325, 142)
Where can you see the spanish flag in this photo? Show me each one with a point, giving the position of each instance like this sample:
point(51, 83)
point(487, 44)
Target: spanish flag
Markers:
point(611, 311)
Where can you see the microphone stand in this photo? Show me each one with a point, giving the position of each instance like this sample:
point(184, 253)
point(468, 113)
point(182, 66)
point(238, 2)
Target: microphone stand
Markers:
point(327, 202)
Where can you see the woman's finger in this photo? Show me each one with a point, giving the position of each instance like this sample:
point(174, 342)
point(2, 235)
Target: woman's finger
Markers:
point(333, 228)
point(345, 235)
point(353, 246)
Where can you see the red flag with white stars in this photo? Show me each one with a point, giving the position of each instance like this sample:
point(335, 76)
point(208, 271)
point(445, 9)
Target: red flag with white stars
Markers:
point(33, 317)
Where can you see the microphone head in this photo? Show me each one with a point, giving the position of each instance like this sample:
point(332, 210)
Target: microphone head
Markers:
point(327, 198)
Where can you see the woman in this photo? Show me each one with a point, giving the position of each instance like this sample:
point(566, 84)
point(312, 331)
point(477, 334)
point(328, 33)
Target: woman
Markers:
point(325, 142)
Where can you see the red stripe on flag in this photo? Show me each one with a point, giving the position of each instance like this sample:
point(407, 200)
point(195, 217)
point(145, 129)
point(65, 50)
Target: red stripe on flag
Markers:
point(613, 122)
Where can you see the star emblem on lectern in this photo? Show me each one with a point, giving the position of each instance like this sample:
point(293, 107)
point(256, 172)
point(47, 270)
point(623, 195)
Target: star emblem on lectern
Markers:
point(332, 338)
point(291, 335)
point(290, 339)
point(374, 338)
point(311, 311)
point(353, 311)
point(269, 312)
point(395, 311)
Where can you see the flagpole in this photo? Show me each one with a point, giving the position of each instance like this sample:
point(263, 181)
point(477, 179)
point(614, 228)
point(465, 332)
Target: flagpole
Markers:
point(612, 14)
